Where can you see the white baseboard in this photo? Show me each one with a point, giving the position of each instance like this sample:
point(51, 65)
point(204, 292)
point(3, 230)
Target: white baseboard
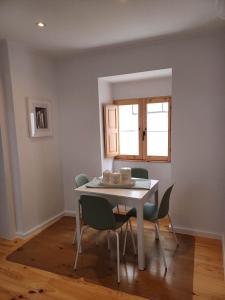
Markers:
point(39, 227)
point(197, 232)
point(69, 213)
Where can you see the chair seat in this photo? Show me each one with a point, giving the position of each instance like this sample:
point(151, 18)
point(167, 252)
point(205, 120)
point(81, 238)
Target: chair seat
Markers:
point(149, 212)
point(121, 219)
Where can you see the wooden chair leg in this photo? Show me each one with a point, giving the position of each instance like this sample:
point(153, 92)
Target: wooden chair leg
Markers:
point(108, 239)
point(161, 248)
point(173, 231)
point(132, 237)
point(78, 247)
point(156, 233)
point(125, 239)
point(118, 256)
point(75, 237)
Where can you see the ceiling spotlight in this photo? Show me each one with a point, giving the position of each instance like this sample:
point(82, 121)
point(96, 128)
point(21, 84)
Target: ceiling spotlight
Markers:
point(40, 24)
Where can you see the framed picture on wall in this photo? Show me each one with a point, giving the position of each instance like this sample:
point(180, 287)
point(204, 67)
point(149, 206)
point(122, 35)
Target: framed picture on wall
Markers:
point(39, 118)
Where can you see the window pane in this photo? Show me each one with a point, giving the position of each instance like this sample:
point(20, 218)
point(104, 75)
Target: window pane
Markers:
point(157, 129)
point(128, 129)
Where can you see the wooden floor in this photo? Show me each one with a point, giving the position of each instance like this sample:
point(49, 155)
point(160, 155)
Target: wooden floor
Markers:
point(23, 282)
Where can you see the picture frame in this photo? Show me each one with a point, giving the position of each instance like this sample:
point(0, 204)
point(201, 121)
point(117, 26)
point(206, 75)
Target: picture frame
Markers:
point(39, 118)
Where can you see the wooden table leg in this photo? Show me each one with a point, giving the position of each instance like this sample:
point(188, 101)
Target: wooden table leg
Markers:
point(140, 237)
point(77, 213)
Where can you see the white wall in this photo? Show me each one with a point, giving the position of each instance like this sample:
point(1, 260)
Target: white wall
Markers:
point(10, 133)
point(39, 188)
point(79, 125)
point(161, 86)
point(198, 119)
point(7, 213)
point(105, 97)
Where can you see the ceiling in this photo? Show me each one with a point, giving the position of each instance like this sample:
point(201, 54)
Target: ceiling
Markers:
point(84, 24)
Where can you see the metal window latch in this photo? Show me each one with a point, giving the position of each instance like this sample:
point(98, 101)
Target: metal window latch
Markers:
point(143, 134)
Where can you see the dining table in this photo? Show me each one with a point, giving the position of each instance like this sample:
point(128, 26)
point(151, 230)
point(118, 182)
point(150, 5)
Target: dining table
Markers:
point(145, 190)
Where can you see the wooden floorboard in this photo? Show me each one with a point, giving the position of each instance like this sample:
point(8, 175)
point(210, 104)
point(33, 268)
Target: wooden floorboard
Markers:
point(23, 282)
point(208, 281)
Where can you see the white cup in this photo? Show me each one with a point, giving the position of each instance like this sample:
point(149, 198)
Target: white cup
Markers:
point(115, 178)
point(106, 176)
point(125, 175)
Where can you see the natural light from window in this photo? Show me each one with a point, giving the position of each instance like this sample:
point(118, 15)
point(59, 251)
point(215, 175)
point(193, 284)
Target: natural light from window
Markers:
point(128, 129)
point(157, 129)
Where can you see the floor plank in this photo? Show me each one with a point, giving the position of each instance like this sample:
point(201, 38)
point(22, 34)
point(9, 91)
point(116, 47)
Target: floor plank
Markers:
point(22, 282)
point(208, 282)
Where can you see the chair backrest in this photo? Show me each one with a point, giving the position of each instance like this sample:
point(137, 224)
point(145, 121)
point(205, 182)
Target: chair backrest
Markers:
point(139, 173)
point(165, 203)
point(97, 212)
point(81, 179)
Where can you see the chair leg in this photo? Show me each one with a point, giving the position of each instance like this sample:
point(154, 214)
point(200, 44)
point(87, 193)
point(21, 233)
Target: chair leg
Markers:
point(118, 211)
point(75, 237)
point(161, 248)
point(174, 234)
point(132, 237)
point(108, 239)
point(75, 232)
point(156, 233)
point(125, 239)
point(96, 239)
point(78, 247)
point(118, 256)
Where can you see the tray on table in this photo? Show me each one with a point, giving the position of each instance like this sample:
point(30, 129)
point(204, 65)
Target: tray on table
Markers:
point(117, 185)
point(134, 184)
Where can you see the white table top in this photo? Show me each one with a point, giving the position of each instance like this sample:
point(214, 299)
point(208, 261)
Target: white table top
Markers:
point(126, 193)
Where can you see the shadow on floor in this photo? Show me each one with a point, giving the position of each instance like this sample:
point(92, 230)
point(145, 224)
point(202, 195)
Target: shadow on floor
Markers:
point(52, 250)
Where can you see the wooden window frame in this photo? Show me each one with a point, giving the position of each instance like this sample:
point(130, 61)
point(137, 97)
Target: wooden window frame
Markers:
point(140, 127)
point(142, 105)
point(160, 99)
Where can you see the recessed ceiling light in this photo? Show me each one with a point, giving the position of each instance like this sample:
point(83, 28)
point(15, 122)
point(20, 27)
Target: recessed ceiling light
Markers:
point(40, 24)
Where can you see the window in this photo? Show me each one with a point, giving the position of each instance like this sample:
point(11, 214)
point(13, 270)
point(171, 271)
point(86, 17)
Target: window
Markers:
point(141, 129)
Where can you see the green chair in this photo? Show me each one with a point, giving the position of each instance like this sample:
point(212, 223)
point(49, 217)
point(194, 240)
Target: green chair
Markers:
point(97, 213)
point(80, 180)
point(153, 214)
point(139, 173)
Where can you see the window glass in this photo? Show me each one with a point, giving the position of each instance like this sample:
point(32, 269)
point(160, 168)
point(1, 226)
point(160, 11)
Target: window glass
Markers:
point(157, 129)
point(128, 129)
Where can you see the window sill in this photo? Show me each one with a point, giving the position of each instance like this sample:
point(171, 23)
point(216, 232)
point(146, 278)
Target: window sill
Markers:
point(142, 160)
